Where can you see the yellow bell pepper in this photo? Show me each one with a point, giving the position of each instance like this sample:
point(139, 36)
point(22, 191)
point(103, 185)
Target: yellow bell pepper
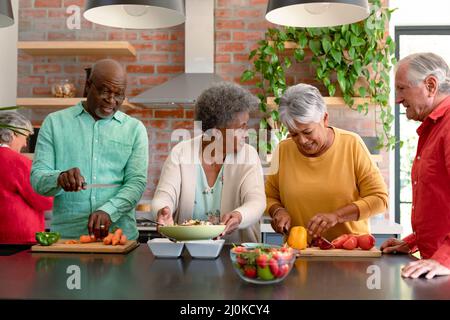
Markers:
point(297, 238)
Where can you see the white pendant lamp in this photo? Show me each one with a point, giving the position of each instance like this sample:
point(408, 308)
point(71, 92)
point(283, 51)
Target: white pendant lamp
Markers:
point(135, 14)
point(316, 13)
point(6, 14)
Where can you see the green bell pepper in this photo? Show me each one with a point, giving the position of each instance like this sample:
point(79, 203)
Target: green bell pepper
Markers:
point(47, 238)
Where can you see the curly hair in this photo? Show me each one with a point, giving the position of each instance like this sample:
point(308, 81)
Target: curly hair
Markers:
point(15, 119)
point(218, 105)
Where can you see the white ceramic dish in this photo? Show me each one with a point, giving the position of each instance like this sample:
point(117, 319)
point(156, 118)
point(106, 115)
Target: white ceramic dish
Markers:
point(204, 249)
point(164, 248)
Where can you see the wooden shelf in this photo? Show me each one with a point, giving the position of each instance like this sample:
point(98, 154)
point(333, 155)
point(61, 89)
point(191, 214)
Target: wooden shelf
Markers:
point(123, 48)
point(58, 103)
point(329, 101)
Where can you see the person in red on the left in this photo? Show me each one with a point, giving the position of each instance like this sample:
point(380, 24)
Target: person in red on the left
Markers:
point(21, 209)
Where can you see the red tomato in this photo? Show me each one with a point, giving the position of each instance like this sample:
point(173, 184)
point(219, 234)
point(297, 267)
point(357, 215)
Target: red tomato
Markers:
point(339, 241)
point(351, 243)
point(366, 241)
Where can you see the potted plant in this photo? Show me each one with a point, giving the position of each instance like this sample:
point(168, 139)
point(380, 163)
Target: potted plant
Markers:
point(341, 56)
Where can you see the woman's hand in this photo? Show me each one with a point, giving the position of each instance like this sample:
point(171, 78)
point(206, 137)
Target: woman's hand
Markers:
point(281, 221)
point(429, 267)
point(232, 220)
point(321, 222)
point(393, 245)
point(164, 216)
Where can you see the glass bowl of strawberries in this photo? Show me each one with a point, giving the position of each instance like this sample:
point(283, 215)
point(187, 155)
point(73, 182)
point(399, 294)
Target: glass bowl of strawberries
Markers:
point(262, 263)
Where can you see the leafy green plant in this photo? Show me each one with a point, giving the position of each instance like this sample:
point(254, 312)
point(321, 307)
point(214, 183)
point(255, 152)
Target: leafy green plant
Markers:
point(341, 56)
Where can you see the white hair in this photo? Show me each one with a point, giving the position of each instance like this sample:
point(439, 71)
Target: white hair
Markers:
point(14, 119)
point(422, 65)
point(302, 103)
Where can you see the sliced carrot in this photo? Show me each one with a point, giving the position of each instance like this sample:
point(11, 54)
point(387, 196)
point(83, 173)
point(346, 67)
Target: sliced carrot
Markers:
point(108, 239)
point(87, 239)
point(71, 242)
point(123, 239)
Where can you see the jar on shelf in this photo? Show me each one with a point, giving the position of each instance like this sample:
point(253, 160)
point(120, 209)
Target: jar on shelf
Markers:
point(64, 89)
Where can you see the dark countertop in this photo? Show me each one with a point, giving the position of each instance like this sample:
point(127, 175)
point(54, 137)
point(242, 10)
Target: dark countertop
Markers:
point(138, 275)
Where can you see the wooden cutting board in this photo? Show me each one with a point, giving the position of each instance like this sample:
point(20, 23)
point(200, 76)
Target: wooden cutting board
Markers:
point(317, 252)
point(95, 247)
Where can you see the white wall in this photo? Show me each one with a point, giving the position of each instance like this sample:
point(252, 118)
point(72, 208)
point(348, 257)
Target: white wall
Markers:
point(8, 60)
point(413, 13)
point(420, 12)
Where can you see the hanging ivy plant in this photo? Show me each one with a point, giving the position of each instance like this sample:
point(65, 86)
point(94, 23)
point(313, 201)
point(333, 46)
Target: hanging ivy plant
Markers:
point(341, 56)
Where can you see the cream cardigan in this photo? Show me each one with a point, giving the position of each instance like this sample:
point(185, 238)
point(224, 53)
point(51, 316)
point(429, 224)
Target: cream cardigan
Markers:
point(243, 187)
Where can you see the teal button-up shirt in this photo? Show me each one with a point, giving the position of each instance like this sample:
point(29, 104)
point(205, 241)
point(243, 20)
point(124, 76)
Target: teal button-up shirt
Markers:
point(107, 151)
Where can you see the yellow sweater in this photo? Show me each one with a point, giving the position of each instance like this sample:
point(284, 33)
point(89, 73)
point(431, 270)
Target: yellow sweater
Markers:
point(344, 174)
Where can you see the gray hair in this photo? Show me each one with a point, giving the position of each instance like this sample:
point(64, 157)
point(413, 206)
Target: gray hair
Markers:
point(422, 65)
point(218, 105)
point(14, 119)
point(302, 103)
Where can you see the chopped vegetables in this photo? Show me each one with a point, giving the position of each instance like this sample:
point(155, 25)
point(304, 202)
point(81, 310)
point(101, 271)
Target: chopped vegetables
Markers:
point(47, 238)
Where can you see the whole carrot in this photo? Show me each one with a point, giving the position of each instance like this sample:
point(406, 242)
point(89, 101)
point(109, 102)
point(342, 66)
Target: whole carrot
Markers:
point(123, 239)
point(108, 239)
point(116, 238)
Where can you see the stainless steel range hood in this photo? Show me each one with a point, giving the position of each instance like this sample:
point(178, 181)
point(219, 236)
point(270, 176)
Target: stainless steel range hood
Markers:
point(199, 60)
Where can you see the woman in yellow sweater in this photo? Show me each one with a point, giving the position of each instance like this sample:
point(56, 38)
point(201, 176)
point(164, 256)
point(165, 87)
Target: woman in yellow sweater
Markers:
point(325, 179)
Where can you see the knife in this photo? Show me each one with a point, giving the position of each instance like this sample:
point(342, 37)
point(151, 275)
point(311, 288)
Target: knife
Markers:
point(100, 185)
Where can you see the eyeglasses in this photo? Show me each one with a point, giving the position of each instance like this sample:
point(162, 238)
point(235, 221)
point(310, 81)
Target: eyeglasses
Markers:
point(106, 94)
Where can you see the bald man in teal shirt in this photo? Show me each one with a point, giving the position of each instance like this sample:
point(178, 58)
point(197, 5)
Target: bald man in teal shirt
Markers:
point(93, 143)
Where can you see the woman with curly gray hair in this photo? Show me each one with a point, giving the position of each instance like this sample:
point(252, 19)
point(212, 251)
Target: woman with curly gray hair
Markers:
point(22, 213)
point(216, 176)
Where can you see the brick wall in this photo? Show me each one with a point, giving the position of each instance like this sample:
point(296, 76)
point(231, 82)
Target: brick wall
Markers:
point(160, 56)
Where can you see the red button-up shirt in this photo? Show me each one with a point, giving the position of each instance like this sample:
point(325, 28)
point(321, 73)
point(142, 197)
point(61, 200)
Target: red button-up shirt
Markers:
point(430, 177)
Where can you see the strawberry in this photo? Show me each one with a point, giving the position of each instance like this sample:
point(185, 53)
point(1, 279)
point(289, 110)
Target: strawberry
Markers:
point(273, 264)
point(250, 271)
point(261, 260)
point(239, 249)
point(283, 270)
point(242, 261)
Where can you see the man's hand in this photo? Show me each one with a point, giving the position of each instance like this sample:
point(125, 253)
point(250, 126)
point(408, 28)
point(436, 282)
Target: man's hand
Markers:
point(232, 220)
point(321, 222)
point(281, 221)
point(429, 267)
point(164, 216)
point(71, 180)
point(99, 223)
point(393, 245)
